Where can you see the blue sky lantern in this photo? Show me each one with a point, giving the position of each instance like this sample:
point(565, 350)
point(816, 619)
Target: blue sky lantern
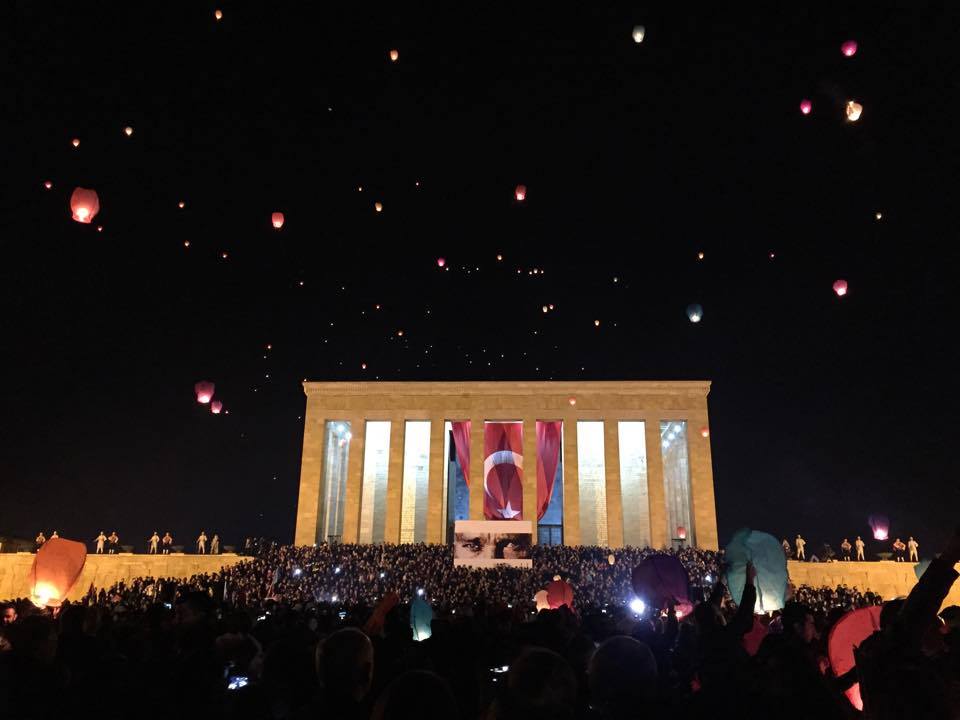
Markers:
point(766, 554)
point(694, 313)
point(421, 615)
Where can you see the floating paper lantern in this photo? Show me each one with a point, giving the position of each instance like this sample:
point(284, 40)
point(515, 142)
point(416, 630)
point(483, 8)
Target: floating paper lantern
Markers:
point(128, 131)
point(681, 532)
point(56, 567)
point(541, 601)
point(421, 617)
point(216, 406)
point(378, 207)
point(441, 262)
point(705, 431)
point(572, 401)
point(394, 55)
point(660, 579)
point(84, 204)
point(840, 287)
point(611, 560)
point(849, 48)
point(559, 593)
point(639, 31)
point(218, 14)
point(47, 184)
point(75, 142)
point(854, 110)
point(806, 106)
point(848, 633)
point(277, 220)
point(545, 308)
point(766, 554)
point(880, 525)
point(204, 390)
point(520, 193)
point(181, 204)
point(694, 313)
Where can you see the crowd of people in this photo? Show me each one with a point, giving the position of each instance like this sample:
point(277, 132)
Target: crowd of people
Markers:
point(302, 632)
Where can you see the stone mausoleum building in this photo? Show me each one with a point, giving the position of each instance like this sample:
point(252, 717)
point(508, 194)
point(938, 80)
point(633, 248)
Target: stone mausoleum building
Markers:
point(589, 463)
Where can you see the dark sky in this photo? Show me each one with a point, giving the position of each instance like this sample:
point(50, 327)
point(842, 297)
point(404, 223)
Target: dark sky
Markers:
point(636, 158)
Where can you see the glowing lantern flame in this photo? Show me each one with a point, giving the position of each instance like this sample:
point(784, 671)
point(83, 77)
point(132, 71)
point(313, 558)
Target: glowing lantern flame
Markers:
point(705, 431)
point(639, 31)
point(277, 220)
point(128, 131)
point(694, 313)
point(48, 184)
point(854, 110)
point(216, 406)
point(75, 142)
point(840, 287)
point(572, 401)
point(596, 323)
point(849, 48)
point(378, 207)
point(84, 204)
point(520, 193)
point(880, 526)
point(545, 308)
point(218, 14)
point(441, 262)
point(394, 55)
point(204, 390)
point(806, 106)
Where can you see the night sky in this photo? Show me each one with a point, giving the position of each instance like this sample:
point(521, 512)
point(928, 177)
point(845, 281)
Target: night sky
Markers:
point(636, 157)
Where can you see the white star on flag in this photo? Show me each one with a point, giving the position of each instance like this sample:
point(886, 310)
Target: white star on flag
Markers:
point(508, 513)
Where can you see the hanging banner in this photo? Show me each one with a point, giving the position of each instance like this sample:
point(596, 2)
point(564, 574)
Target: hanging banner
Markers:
point(548, 457)
point(486, 543)
point(503, 471)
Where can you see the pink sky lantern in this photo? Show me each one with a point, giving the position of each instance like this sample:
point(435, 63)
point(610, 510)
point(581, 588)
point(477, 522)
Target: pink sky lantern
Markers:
point(520, 193)
point(806, 106)
point(705, 431)
point(840, 287)
point(84, 205)
point(880, 526)
point(681, 533)
point(849, 48)
point(56, 567)
point(216, 406)
point(441, 262)
point(277, 220)
point(204, 390)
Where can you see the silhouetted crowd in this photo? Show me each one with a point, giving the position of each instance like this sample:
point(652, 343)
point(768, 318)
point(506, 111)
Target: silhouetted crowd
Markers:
point(266, 639)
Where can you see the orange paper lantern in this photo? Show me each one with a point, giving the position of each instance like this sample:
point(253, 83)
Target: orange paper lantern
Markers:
point(84, 205)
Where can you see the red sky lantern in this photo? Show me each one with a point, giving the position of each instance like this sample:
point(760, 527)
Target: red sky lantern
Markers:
point(84, 204)
point(75, 142)
point(378, 206)
point(572, 401)
point(204, 390)
point(520, 193)
point(47, 184)
point(56, 567)
point(705, 431)
point(218, 14)
point(880, 526)
point(277, 220)
point(840, 287)
point(806, 106)
point(216, 406)
point(441, 262)
point(681, 533)
point(394, 55)
point(849, 48)
point(128, 131)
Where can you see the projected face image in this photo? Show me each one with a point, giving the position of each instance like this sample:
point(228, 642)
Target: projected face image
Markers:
point(512, 547)
point(473, 545)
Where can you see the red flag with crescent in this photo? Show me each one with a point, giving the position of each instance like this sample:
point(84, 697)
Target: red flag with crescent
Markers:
point(503, 471)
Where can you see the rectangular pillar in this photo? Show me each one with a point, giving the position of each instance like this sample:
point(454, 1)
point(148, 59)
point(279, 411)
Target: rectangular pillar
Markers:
point(701, 482)
point(571, 483)
point(530, 473)
point(435, 498)
point(659, 538)
point(311, 475)
point(476, 469)
point(391, 532)
point(611, 462)
point(351, 503)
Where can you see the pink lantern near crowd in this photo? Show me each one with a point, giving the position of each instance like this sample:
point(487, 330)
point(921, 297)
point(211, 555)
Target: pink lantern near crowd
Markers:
point(840, 287)
point(84, 205)
point(880, 525)
point(559, 593)
point(277, 220)
point(806, 106)
point(204, 390)
point(56, 567)
point(520, 193)
point(849, 48)
point(216, 406)
point(849, 632)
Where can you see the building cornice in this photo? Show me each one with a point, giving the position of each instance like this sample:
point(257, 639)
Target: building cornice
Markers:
point(688, 388)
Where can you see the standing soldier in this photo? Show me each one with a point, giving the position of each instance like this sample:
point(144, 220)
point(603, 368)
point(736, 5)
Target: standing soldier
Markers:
point(99, 540)
point(202, 543)
point(167, 543)
point(913, 545)
point(154, 539)
point(860, 545)
point(899, 547)
point(40, 540)
point(114, 540)
point(786, 548)
point(215, 545)
point(800, 544)
point(846, 547)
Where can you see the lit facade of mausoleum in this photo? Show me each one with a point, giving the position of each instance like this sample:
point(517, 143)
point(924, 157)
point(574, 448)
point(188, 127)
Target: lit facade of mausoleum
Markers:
point(588, 463)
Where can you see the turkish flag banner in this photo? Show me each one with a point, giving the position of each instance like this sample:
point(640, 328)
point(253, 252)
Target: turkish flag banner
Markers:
point(503, 471)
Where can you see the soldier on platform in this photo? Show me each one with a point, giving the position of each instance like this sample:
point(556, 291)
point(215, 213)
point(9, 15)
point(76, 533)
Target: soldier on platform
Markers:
point(154, 539)
point(40, 540)
point(786, 548)
point(100, 540)
point(913, 545)
point(845, 548)
point(860, 545)
point(215, 545)
point(202, 543)
point(899, 548)
point(800, 544)
point(167, 543)
point(114, 547)
point(54, 535)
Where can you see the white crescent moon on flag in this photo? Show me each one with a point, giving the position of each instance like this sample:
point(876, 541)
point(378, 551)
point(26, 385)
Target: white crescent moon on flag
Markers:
point(500, 457)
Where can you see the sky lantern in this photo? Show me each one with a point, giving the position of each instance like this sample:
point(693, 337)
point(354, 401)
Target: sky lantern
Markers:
point(853, 110)
point(596, 323)
point(56, 567)
point(421, 619)
point(681, 532)
point(441, 262)
point(660, 578)
point(849, 48)
point(540, 599)
point(84, 204)
point(394, 55)
point(847, 635)
point(572, 401)
point(560, 593)
point(378, 206)
point(128, 131)
point(840, 287)
point(880, 525)
point(218, 14)
point(216, 406)
point(181, 204)
point(766, 554)
point(806, 106)
point(694, 313)
point(75, 142)
point(520, 193)
point(204, 390)
point(47, 184)
point(705, 431)
point(277, 220)
point(639, 31)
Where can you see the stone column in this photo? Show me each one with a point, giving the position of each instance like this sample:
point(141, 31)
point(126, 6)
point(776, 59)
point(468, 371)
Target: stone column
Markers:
point(311, 474)
point(435, 498)
point(611, 462)
point(659, 538)
point(571, 483)
point(391, 532)
point(351, 502)
point(530, 472)
point(476, 469)
point(701, 482)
